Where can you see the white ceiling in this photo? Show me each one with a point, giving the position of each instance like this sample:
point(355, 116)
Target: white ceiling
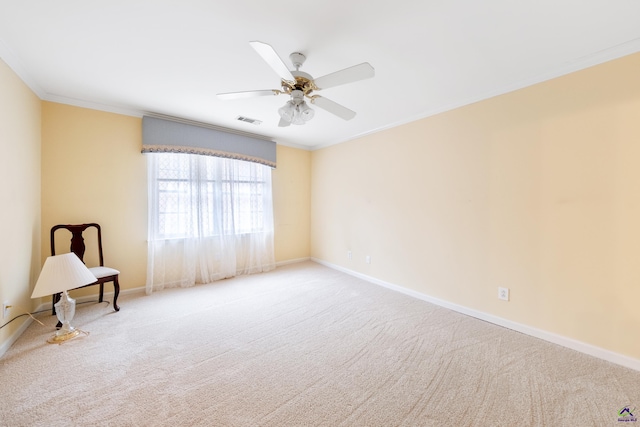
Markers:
point(172, 57)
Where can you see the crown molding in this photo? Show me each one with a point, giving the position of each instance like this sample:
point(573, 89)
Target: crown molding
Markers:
point(12, 60)
point(125, 111)
point(609, 54)
point(602, 56)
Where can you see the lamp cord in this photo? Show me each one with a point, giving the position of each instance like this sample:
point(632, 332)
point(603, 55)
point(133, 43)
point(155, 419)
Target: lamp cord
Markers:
point(26, 313)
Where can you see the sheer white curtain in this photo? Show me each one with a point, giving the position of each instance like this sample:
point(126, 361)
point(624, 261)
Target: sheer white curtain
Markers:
point(209, 218)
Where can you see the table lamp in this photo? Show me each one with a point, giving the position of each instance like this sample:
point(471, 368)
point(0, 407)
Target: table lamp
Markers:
point(60, 273)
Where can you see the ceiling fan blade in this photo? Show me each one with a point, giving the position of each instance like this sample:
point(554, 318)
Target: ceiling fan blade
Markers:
point(248, 94)
point(348, 75)
point(333, 107)
point(271, 57)
point(283, 123)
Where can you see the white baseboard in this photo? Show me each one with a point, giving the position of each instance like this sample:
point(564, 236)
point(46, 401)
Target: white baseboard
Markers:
point(6, 345)
point(25, 324)
point(573, 344)
point(47, 306)
point(291, 261)
point(107, 295)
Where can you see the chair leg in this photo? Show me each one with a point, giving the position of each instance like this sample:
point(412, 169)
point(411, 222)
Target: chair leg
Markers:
point(116, 292)
point(54, 300)
point(101, 293)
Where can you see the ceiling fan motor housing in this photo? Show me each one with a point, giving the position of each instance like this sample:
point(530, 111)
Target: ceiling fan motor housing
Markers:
point(298, 85)
point(304, 83)
point(297, 59)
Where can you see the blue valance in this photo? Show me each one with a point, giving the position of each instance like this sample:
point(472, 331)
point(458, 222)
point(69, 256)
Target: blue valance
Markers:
point(167, 136)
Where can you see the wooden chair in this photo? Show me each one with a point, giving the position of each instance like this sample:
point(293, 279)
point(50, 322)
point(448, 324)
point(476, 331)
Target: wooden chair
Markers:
point(102, 273)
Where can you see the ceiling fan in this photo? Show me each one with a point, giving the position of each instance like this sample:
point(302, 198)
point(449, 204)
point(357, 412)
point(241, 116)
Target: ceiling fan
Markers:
point(298, 85)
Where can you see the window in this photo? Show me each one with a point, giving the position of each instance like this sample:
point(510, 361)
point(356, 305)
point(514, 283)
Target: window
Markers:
point(201, 196)
point(209, 218)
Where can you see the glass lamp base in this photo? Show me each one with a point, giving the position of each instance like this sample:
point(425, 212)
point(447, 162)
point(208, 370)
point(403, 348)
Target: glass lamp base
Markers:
point(65, 309)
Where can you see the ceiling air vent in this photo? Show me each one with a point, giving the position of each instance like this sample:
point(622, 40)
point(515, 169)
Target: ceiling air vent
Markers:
point(249, 120)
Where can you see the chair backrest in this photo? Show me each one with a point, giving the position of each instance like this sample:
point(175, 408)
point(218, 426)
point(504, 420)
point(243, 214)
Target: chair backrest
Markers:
point(77, 240)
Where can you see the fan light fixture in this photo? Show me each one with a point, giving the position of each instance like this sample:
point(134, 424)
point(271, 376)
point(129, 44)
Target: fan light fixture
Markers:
point(296, 111)
point(60, 273)
point(299, 85)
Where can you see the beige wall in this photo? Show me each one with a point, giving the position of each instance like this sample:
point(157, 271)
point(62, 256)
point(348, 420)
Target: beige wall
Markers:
point(537, 190)
point(292, 204)
point(93, 171)
point(19, 196)
point(65, 164)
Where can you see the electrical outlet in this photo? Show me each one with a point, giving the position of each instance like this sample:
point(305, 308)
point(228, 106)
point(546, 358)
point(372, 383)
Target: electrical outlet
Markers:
point(367, 259)
point(349, 255)
point(503, 294)
point(5, 309)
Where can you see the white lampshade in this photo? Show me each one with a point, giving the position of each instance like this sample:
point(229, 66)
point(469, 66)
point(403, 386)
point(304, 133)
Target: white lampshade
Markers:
point(60, 273)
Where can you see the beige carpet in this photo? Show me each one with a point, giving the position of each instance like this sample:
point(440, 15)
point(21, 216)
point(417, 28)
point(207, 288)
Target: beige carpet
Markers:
point(303, 345)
